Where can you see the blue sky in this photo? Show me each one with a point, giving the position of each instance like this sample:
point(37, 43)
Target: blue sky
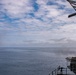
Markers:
point(36, 23)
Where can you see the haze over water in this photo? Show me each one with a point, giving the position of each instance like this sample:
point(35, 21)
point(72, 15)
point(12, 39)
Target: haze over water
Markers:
point(32, 61)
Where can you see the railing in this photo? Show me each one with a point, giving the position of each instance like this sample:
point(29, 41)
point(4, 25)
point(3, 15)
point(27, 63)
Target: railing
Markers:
point(62, 71)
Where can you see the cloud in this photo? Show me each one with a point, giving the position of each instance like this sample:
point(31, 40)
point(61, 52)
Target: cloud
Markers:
point(30, 22)
point(17, 8)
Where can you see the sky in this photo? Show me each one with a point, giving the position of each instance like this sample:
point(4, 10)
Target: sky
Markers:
point(25, 23)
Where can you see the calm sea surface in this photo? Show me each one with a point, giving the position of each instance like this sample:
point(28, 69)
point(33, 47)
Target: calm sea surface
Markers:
point(32, 61)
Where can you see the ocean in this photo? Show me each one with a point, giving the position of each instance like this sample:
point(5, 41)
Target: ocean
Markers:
point(33, 60)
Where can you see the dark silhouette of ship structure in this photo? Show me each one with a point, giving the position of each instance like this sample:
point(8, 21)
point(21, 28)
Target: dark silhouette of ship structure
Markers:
point(72, 65)
point(73, 4)
point(69, 70)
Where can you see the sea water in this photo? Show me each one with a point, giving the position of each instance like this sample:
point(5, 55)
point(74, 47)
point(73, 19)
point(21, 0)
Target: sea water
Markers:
point(32, 60)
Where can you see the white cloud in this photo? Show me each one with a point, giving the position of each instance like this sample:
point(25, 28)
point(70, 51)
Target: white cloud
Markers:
point(49, 24)
point(17, 8)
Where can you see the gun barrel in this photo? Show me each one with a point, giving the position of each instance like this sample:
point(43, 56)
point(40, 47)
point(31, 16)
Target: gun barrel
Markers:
point(72, 15)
